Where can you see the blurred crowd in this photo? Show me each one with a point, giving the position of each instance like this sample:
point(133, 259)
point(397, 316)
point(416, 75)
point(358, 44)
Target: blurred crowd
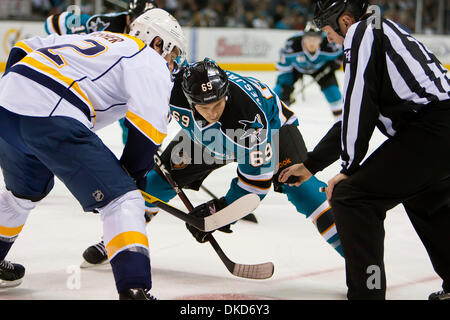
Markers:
point(280, 14)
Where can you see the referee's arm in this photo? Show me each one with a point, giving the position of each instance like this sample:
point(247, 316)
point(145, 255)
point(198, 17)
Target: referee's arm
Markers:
point(361, 90)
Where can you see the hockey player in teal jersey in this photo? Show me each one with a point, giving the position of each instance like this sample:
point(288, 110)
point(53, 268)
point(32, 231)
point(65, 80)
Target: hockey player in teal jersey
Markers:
point(228, 118)
point(309, 53)
point(238, 119)
point(73, 23)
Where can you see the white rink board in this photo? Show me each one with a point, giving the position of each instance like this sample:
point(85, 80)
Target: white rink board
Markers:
point(306, 268)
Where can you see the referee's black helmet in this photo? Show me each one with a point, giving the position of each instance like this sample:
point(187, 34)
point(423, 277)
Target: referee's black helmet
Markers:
point(138, 7)
point(327, 12)
point(204, 82)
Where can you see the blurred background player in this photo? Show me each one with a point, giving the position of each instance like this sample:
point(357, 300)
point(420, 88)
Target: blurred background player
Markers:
point(309, 53)
point(47, 129)
point(71, 23)
point(250, 125)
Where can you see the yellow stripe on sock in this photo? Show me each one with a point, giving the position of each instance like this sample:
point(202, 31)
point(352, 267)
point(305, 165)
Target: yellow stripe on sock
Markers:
point(125, 239)
point(10, 232)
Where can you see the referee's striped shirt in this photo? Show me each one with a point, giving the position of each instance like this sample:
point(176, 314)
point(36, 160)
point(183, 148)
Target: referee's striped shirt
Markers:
point(389, 76)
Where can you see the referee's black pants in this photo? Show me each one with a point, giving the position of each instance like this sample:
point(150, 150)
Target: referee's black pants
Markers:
point(412, 168)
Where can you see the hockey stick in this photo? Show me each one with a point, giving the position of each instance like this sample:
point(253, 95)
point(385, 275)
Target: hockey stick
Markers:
point(250, 217)
point(315, 78)
point(235, 211)
point(250, 271)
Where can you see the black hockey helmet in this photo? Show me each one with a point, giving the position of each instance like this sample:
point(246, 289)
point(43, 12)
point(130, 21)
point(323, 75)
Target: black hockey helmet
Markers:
point(138, 7)
point(204, 82)
point(311, 30)
point(327, 12)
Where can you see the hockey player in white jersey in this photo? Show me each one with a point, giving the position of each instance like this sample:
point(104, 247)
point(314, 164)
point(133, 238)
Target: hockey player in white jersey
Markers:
point(51, 102)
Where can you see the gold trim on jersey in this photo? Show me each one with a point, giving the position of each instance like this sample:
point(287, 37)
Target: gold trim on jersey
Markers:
point(139, 42)
point(22, 45)
point(125, 239)
point(55, 74)
point(146, 127)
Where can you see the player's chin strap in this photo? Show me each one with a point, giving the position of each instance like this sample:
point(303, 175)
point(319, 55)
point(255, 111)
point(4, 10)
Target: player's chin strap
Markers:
point(253, 271)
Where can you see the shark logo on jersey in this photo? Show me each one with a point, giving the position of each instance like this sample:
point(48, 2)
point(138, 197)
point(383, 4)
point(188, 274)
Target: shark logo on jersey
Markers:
point(252, 129)
point(98, 25)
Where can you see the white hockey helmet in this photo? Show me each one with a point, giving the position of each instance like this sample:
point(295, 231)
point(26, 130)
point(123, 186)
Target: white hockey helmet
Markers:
point(159, 23)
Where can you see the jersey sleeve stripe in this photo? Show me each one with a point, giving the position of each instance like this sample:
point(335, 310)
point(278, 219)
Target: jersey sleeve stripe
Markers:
point(49, 26)
point(62, 22)
point(54, 73)
point(147, 128)
point(53, 85)
point(287, 113)
point(22, 45)
point(55, 23)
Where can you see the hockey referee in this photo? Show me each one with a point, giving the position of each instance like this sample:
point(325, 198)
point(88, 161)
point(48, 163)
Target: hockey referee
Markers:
point(392, 82)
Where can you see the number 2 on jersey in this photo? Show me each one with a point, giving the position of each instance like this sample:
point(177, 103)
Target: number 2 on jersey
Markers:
point(93, 49)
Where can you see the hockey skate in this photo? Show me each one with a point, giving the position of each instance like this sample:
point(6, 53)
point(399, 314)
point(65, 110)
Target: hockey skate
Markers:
point(11, 274)
point(439, 295)
point(94, 256)
point(136, 294)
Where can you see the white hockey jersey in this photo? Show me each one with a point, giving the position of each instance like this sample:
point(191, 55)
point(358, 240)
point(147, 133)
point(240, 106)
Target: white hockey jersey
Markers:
point(96, 78)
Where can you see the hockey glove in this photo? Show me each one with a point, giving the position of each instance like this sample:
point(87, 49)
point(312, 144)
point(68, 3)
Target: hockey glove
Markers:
point(205, 210)
point(286, 94)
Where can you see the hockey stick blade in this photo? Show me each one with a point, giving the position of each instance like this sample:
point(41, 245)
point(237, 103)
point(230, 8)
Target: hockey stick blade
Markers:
point(253, 271)
point(233, 212)
point(249, 271)
point(199, 223)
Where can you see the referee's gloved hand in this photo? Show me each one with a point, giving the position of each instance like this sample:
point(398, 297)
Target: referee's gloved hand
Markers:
point(204, 210)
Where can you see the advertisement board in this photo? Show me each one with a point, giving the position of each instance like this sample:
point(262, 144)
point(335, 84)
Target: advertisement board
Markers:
point(234, 49)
